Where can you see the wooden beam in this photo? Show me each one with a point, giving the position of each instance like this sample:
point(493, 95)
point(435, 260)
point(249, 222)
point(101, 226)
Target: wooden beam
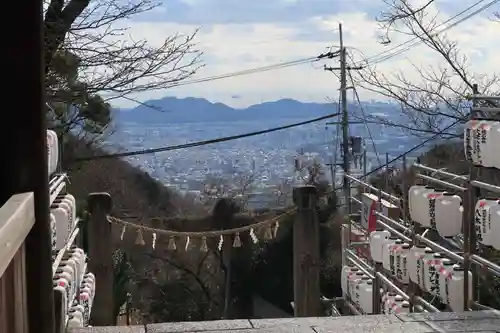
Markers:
point(24, 147)
point(17, 217)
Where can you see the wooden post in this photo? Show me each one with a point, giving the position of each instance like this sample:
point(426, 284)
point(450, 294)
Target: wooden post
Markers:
point(306, 259)
point(227, 252)
point(60, 314)
point(100, 258)
point(24, 147)
point(222, 215)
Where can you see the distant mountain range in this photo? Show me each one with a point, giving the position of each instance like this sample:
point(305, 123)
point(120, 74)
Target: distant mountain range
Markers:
point(183, 110)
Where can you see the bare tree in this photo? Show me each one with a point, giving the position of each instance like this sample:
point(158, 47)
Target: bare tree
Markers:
point(239, 187)
point(440, 94)
point(308, 170)
point(90, 60)
point(93, 31)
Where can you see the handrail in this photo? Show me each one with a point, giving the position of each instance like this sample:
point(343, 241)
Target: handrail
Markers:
point(17, 217)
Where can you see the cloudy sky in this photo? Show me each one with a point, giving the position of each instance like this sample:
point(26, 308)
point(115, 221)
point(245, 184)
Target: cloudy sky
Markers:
point(239, 34)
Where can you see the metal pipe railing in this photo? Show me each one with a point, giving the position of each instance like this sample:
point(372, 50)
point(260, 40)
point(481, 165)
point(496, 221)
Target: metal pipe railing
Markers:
point(485, 186)
point(355, 260)
point(442, 182)
point(412, 234)
point(482, 307)
point(357, 200)
point(436, 247)
point(441, 249)
point(488, 265)
point(426, 304)
point(360, 243)
point(56, 182)
point(474, 184)
point(392, 286)
point(384, 194)
point(394, 231)
point(362, 266)
point(440, 172)
point(358, 263)
point(352, 308)
point(393, 222)
point(491, 267)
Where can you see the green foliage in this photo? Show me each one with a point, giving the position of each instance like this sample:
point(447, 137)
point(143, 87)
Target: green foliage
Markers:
point(121, 279)
point(73, 106)
point(64, 69)
point(95, 113)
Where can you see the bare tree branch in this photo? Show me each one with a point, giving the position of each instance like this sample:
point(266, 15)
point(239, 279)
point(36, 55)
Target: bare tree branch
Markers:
point(88, 55)
point(440, 94)
point(238, 188)
point(108, 62)
point(195, 275)
point(418, 132)
point(119, 68)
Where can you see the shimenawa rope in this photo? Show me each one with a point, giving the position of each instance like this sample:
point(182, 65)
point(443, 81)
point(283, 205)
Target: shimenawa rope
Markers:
point(270, 227)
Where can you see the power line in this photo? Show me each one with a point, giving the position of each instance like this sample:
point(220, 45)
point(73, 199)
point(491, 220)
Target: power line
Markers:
point(202, 143)
point(420, 145)
point(441, 31)
point(356, 95)
point(147, 105)
point(415, 40)
point(279, 38)
point(385, 55)
point(333, 163)
point(227, 75)
point(286, 64)
point(435, 112)
point(246, 72)
point(261, 69)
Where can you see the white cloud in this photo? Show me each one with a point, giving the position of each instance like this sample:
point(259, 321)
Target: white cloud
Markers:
point(190, 2)
point(232, 46)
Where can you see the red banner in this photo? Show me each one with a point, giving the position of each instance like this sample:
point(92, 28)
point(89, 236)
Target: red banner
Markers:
point(372, 217)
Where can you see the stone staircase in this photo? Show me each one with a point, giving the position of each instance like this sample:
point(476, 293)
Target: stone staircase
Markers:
point(478, 321)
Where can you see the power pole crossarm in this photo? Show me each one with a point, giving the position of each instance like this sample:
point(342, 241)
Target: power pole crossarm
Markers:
point(355, 68)
point(329, 55)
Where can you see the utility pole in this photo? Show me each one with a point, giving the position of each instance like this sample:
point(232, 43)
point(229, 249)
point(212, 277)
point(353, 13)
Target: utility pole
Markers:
point(345, 124)
point(345, 137)
point(345, 117)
